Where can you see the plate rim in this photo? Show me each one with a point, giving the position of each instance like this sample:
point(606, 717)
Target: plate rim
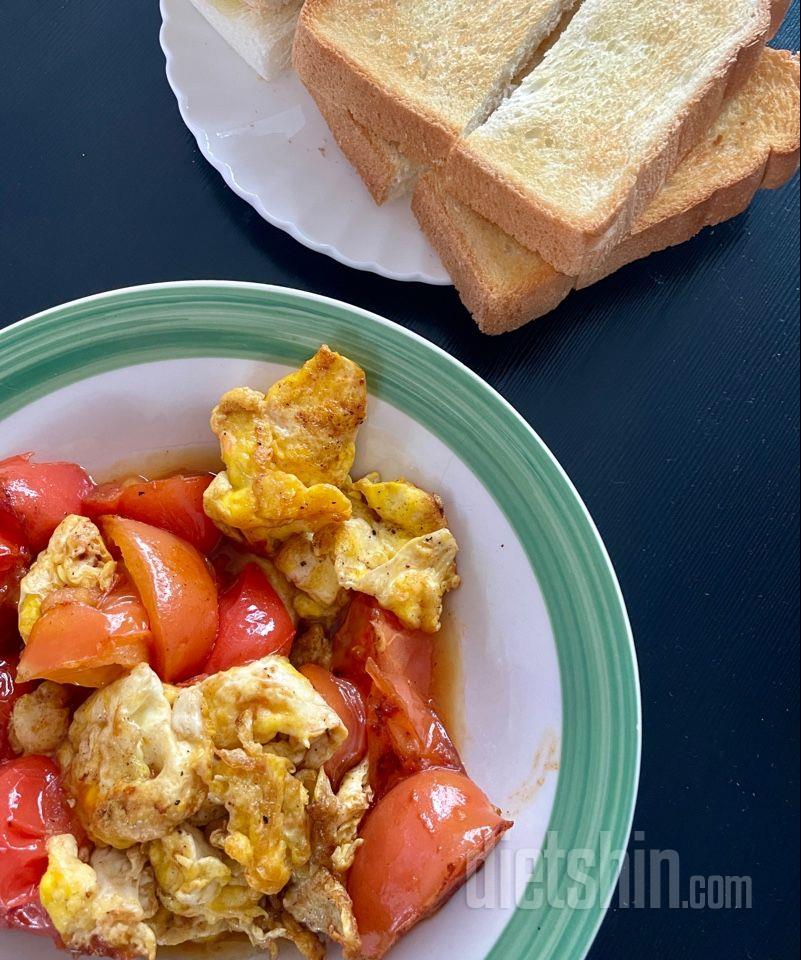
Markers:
point(562, 939)
point(226, 172)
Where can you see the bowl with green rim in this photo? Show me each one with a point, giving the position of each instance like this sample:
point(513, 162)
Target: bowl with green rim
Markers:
point(545, 706)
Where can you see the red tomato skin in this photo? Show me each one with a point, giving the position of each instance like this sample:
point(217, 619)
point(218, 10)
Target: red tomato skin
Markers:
point(42, 494)
point(15, 554)
point(370, 632)
point(253, 623)
point(32, 808)
point(347, 703)
point(10, 692)
point(421, 843)
point(177, 590)
point(403, 723)
point(103, 500)
point(174, 504)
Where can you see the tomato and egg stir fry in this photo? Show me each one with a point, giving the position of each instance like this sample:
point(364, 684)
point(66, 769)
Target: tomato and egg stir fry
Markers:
point(216, 712)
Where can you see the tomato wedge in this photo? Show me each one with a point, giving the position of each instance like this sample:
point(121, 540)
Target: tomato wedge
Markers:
point(10, 691)
point(177, 590)
point(421, 843)
point(174, 504)
point(370, 632)
point(88, 646)
point(253, 622)
point(404, 732)
point(40, 495)
point(32, 808)
point(15, 553)
point(347, 703)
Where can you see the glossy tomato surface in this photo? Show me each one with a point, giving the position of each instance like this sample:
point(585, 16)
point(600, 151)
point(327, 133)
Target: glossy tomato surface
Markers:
point(406, 734)
point(178, 592)
point(32, 808)
point(253, 622)
point(370, 632)
point(41, 494)
point(88, 646)
point(421, 843)
point(174, 504)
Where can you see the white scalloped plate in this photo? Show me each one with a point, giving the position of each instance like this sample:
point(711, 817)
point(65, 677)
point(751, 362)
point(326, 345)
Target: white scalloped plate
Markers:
point(274, 149)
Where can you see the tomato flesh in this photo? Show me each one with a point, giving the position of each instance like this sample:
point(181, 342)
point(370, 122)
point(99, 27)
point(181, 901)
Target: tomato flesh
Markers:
point(176, 589)
point(40, 495)
point(32, 809)
point(404, 731)
point(253, 622)
point(15, 552)
point(421, 843)
point(88, 646)
point(174, 504)
point(347, 703)
point(370, 632)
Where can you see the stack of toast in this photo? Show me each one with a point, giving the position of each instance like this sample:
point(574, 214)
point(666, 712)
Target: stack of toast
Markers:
point(548, 142)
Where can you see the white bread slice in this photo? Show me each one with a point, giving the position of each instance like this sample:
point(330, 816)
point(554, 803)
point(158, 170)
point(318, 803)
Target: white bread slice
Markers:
point(570, 159)
point(261, 31)
point(386, 172)
point(420, 73)
point(754, 143)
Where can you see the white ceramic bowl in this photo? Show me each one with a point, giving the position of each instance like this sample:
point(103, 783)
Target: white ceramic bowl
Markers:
point(551, 702)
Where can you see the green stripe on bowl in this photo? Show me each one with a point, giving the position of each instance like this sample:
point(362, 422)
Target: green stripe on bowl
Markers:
point(601, 735)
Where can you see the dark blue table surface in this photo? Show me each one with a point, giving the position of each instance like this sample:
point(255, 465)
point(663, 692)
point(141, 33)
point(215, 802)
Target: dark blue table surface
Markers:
point(669, 393)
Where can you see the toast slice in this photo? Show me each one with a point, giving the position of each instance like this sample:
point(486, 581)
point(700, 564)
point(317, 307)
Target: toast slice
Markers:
point(574, 155)
point(420, 73)
point(386, 172)
point(261, 31)
point(754, 143)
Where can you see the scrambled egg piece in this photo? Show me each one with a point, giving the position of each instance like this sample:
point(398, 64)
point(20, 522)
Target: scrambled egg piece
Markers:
point(134, 763)
point(303, 562)
point(40, 720)
point(76, 557)
point(317, 896)
point(198, 883)
point(185, 892)
point(268, 702)
point(103, 904)
point(287, 451)
point(399, 551)
point(395, 547)
point(336, 817)
point(267, 830)
point(411, 583)
point(264, 718)
point(172, 930)
point(401, 504)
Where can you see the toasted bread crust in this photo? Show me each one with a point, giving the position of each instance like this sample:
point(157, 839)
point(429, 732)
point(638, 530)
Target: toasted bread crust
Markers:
point(421, 131)
point(577, 247)
point(724, 204)
point(778, 12)
point(334, 77)
point(495, 308)
point(386, 173)
point(523, 286)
